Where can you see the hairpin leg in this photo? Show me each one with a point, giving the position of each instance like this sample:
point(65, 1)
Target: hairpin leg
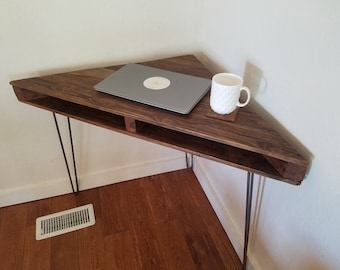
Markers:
point(250, 180)
point(189, 158)
point(76, 189)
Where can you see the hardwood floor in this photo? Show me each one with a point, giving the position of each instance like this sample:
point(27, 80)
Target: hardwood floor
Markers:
point(158, 222)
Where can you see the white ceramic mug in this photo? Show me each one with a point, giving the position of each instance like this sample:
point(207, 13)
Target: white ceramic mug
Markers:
point(225, 93)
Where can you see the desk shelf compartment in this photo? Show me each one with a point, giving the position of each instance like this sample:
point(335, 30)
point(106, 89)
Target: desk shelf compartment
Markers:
point(240, 158)
point(72, 110)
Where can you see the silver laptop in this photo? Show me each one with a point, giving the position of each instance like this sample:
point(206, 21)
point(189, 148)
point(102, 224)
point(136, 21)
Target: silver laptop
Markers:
point(156, 87)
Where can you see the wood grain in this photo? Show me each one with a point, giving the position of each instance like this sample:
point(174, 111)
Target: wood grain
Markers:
point(158, 222)
point(72, 94)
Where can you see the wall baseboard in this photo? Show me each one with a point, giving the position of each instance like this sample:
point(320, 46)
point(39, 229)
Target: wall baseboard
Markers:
point(52, 188)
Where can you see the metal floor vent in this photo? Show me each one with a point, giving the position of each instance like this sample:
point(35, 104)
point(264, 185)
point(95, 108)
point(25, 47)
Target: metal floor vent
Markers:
point(65, 221)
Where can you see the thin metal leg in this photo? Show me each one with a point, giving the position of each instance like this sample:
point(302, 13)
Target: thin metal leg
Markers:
point(73, 157)
point(190, 164)
point(250, 181)
point(74, 190)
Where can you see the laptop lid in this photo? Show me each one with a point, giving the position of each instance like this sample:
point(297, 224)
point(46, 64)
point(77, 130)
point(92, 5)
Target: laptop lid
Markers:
point(156, 87)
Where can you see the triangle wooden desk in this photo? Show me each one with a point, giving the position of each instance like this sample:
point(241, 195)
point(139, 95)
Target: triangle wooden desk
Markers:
point(248, 143)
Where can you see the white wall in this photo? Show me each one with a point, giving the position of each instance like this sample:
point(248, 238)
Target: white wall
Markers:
point(40, 37)
point(289, 53)
point(286, 50)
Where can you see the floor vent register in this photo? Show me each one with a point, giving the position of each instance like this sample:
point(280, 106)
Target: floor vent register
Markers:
point(65, 221)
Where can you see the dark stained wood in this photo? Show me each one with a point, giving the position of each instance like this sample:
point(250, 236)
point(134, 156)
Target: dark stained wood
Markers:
point(132, 125)
point(158, 222)
point(223, 117)
point(252, 143)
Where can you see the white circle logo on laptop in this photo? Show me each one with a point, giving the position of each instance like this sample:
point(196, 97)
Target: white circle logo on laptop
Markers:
point(156, 83)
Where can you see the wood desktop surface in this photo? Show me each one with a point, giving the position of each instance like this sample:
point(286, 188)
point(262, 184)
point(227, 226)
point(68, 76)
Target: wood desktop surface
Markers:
point(248, 143)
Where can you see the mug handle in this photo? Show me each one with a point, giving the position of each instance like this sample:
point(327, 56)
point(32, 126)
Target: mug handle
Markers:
point(244, 88)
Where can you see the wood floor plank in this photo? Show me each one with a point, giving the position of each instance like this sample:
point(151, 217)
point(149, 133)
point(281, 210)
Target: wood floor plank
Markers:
point(159, 199)
point(36, 253)
point(122, 251)
point(39, 250)
point(174, 246)
point(158, 222)
point(37, 209)
point(147, 245)
point(91, 247)
point(114, 207)
point(90, 239)
point(12, 232)
point(65, 252)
